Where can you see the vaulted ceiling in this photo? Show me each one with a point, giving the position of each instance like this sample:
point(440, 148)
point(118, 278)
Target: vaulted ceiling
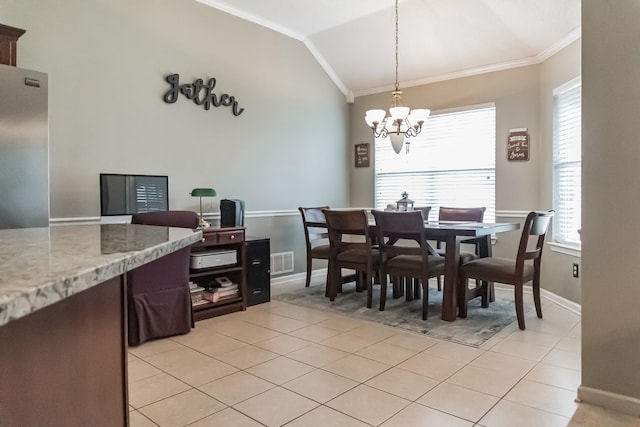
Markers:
point(354, 40)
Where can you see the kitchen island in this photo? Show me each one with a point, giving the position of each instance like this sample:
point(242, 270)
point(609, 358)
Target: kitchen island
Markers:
point(63, 344)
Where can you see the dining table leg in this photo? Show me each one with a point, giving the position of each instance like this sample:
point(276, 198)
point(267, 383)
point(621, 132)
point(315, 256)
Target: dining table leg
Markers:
point(451, 261)
point(485, 250)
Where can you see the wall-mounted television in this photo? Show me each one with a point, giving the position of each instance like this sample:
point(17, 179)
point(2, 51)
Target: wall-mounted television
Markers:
point(122, 194)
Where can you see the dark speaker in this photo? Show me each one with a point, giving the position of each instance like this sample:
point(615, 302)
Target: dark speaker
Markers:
point(231, 213)
point(258, 270)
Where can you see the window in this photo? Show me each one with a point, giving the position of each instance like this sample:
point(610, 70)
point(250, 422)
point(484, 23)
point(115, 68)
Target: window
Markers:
point(567, 162)
point(450, 163)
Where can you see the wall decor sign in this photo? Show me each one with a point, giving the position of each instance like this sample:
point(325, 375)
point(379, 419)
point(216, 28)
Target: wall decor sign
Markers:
point(201, 93)
point(362, 155)
point(518, 144)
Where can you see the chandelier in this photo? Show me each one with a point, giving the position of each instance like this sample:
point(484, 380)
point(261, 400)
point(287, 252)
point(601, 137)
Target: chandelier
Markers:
point(402, 122)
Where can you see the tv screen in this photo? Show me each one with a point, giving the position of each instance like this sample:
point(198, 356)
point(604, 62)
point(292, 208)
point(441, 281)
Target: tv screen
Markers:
point(128, 194)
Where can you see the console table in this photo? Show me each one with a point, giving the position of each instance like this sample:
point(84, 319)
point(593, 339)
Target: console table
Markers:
point(63, 347)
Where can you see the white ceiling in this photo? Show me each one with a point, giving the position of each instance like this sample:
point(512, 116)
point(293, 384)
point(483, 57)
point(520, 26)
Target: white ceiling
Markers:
point(354, 40)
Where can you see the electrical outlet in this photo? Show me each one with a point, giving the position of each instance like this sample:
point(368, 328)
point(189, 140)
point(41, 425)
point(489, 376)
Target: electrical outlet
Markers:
point(576, 270)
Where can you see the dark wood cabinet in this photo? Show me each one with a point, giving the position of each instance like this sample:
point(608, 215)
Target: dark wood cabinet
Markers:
point(225, 248)
point(258, 270)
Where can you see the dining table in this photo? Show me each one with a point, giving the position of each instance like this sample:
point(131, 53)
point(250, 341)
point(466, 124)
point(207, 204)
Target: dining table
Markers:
point(453, 233)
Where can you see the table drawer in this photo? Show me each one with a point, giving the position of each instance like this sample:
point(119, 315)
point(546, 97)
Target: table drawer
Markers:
point(209, 239)
point(230, 237)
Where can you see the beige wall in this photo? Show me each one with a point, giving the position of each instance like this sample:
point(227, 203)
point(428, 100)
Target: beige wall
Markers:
point(610, 179)
point(107, 61)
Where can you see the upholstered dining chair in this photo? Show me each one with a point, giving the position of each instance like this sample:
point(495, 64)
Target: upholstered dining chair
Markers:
point(158, 296)
point(404, 251)
point(459, 214)
point(516, 272)
point(350, 246)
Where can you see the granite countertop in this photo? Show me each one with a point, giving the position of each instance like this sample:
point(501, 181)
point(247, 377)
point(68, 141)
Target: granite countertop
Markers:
point(40, 266)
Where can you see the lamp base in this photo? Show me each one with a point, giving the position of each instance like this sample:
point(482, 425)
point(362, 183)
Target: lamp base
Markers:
point(203, 223)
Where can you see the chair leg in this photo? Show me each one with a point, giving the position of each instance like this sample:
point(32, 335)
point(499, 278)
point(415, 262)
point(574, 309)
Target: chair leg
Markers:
point(383, 292)
point(417, 289)
point(332, 283)
point(425, 297)
point(536, 294)
point(308, 282)
point(367, 283)
point(408, 288)
point(439, 280)
point(519, 305)
point(485, 292)
point(462, 294)
point(359, 282)
point(397, 286)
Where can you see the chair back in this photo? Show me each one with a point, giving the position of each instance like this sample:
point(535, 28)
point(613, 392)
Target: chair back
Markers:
point(343, 225)
point(461, 214)
point(313, 233)
point(536, 224)
point(183, 219)
point(425, 211)
point(392, 227)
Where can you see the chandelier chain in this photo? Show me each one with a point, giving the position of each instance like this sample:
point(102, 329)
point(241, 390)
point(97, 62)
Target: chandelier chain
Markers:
point(397, 85)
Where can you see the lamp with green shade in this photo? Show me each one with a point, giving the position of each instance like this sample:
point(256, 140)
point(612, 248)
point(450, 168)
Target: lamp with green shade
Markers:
point(203, 192)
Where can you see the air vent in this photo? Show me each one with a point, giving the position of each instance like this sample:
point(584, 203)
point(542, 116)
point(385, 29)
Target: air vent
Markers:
point(282, 263)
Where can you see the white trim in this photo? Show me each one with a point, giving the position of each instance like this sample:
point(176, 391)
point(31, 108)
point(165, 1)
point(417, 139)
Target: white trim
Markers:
point(575, 251)
point(450, 76)
point(608, 400)
point(298, 277)
point(127, 218)
point(223, 6)
point(561, 44)
point(512, 214)
point(571, 84)
point(573, 307)
point(463, 108)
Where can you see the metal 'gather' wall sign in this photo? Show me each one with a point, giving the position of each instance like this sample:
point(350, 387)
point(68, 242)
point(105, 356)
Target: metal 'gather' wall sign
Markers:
point(201, 93)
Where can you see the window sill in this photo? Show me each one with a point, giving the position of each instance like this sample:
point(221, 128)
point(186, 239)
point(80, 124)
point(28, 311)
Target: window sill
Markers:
point(573, 250)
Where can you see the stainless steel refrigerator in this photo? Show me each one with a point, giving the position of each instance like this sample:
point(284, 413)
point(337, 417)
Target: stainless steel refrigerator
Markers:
point(24, 148)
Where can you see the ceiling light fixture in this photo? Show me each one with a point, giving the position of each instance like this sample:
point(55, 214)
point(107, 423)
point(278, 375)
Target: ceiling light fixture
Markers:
point(401, 122)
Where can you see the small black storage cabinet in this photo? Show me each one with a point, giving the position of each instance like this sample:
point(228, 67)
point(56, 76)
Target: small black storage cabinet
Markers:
point(258, 270)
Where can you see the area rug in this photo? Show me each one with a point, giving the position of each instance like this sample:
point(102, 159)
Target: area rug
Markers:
point(480, 325)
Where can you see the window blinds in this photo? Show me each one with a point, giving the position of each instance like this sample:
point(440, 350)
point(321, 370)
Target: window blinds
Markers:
point(567, 162)
point(450, 163)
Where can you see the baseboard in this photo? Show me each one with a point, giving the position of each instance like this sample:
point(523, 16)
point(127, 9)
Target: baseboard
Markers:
point(608, 400)
point(282, 280)
point(562, 302)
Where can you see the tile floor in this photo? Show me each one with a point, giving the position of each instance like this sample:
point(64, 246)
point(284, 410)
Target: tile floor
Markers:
point(277, 364)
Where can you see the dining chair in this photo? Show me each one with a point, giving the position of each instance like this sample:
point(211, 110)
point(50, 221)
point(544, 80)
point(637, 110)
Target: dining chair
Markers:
point(460, 214)
point(516, 272)
point(158, 296)
point(404, 252)
point(407, 285)
point(316, 238)
point(351, 246)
